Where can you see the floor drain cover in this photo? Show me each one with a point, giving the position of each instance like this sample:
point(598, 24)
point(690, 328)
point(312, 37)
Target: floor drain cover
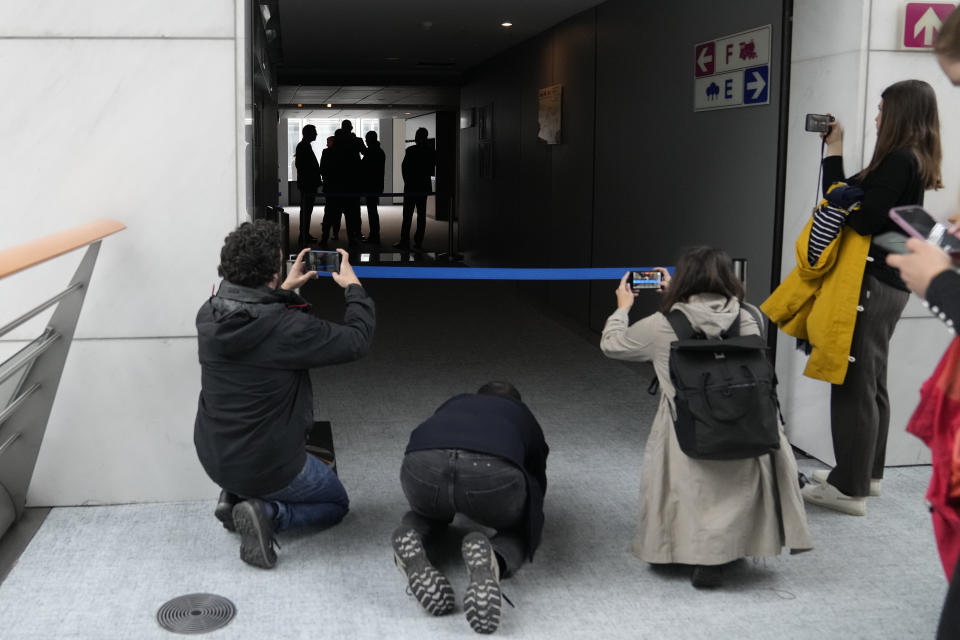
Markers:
point(196, 613)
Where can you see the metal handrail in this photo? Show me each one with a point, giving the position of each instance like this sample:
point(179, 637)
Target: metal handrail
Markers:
point(28, 354)
point(39, 309)
point(6, 413)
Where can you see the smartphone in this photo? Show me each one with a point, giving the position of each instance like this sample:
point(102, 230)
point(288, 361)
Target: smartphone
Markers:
point(818, 122)
point(328, 261)
point(645, 280)
point(920, 224)
point(892, 242)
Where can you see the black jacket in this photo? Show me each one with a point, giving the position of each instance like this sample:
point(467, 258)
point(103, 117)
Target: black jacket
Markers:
point(895, 182)
point(417, 168)
point(373, 163)
point(497, 426)
point(943, 296)
point(308, 169)
point(256, 403)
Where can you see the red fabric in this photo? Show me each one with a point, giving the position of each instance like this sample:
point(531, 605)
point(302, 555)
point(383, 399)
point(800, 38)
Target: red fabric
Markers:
point(936, 421)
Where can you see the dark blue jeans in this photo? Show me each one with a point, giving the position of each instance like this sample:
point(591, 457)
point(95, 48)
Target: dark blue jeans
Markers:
point(314, 498)
point(439, 483)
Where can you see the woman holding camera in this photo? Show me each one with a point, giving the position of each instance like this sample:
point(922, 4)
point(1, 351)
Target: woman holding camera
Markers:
point(698, 512)
point(906, 162)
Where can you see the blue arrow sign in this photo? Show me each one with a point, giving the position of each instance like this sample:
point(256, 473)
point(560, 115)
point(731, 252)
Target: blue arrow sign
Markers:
point(755, 85)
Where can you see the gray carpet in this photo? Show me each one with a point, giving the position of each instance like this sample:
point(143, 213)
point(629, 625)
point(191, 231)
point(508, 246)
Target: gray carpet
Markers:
point(102, 572)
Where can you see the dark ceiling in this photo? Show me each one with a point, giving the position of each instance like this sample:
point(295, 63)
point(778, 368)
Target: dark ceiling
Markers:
point(391, 42)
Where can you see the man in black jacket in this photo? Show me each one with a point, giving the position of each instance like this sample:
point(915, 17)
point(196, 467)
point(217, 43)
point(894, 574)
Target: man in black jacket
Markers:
point(256, 344)
point(417, 169)
point(482, 455)
point(373, 163)
point(308, 181)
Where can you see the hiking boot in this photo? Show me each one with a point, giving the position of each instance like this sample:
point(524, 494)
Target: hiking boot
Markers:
point(257, 544)
point(430, 587)
point(828, 496)
point(820, 475)
point(481, 603)
point(224, 509)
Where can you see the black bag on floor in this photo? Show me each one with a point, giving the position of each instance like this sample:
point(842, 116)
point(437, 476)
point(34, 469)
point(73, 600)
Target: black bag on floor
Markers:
point(726, 398)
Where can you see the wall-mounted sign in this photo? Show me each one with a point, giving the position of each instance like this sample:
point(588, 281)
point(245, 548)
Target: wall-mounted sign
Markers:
point(732, 71)
point(922, 22)
point(550, 114)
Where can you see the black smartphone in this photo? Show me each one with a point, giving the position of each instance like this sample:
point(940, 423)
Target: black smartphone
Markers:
point(918, 223)
point(818, 122)
point(645, 280)
point(328, 261)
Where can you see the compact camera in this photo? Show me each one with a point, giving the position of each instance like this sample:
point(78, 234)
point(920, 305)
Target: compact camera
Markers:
point(819, 123)
point(328, 261)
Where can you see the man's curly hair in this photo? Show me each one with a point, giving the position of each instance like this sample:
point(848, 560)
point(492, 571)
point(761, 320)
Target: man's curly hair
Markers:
point(251, 254)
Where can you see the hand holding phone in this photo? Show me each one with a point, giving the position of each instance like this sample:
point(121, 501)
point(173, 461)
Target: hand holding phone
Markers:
point(921, 225)
point(640, 280)
point(328, 261)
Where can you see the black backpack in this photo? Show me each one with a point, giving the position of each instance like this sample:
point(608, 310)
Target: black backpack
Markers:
point(726, 399)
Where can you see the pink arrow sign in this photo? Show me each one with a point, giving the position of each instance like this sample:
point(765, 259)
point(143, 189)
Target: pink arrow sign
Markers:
point(922, 21)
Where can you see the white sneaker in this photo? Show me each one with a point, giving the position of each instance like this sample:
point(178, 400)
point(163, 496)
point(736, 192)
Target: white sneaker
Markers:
point(820, 475)
point(828, 496)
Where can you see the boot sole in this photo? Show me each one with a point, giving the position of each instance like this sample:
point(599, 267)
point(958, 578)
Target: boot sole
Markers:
point(430, 587)
point(482, 601)
point(255, 545)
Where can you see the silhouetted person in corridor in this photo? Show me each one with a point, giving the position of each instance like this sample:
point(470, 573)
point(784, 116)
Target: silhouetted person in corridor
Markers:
point(417, 167)
point(374, 160)
point(343, 178)
point(328, 209)
point(308, 181)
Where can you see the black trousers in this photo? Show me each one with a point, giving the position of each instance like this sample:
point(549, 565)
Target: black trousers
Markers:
point(307, 198)
point(409, 204)
point(439, 483)
point(334, 208)
point(860, 407)
point(351, 212)
point(373, 216)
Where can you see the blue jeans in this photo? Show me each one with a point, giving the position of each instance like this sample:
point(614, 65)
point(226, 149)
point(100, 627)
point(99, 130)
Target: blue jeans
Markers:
point(314, 498)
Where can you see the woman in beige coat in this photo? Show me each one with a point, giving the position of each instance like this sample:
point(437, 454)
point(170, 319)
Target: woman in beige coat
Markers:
point(704, 513)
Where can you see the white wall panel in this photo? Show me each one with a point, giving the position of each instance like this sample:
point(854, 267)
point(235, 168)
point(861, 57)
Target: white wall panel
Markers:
point(113, 19)
point(121, 429)
point(823, 28)
point(143, 131)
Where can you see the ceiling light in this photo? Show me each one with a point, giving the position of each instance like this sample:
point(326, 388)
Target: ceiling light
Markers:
point(506, 24)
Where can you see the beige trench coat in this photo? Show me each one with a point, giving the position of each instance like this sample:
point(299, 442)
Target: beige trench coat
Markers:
point(704, 512)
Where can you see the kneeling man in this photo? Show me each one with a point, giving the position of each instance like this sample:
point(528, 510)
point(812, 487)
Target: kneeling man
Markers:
point(257, 343)
point(482, 455)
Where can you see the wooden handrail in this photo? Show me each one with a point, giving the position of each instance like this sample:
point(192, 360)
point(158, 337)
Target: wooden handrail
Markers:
point(40, 250)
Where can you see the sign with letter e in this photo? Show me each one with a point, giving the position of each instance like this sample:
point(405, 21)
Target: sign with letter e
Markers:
point(921, 23)
point(732, 71)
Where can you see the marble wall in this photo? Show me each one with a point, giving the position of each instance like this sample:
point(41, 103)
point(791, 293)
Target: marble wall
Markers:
point(125, 110)
point(844, 54)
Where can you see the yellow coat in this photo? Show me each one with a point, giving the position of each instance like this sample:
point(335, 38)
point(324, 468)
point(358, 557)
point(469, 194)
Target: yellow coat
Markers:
point(818, 303)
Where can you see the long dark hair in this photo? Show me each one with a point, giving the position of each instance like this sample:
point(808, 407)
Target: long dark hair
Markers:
point(948, 39)
point(702, 270)
point(910, 120)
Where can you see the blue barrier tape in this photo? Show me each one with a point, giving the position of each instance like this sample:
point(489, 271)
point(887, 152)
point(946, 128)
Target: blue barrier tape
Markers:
point(483, 273)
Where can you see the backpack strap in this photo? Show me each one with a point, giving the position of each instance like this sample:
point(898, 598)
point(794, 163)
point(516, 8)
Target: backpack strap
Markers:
point(758, 317)
point(681, 325)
